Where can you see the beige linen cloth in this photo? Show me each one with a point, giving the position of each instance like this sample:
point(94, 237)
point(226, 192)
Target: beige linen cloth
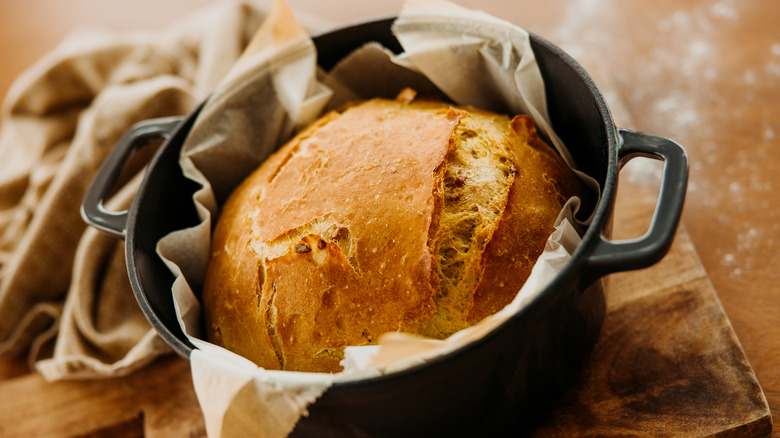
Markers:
point(65, 299)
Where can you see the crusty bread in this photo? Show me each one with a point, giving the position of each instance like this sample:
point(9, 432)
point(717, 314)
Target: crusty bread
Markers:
point(392, 215)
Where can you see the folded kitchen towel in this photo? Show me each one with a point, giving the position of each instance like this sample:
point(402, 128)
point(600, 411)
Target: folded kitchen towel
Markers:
point(64, 294)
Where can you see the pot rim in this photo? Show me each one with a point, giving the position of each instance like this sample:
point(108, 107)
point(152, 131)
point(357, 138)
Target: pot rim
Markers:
point(592, 233)
point(583, 269)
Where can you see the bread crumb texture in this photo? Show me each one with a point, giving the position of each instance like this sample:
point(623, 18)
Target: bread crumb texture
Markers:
point(391, 215)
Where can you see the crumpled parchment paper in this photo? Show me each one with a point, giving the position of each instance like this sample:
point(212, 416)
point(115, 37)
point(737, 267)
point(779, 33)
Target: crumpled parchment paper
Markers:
point(274, 89)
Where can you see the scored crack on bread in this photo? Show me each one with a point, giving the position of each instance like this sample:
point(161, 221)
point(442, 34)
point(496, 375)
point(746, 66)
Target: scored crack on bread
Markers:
point(391, 215)
point(476, 182)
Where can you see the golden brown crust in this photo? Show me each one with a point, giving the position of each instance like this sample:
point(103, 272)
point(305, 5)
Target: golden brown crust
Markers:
point(536, 197)
point(389, 216)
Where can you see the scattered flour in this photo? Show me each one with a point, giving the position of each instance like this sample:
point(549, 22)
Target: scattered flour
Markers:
point(745, 257)
point(692, 41)
point(773, 68)
point(579, 44)
point(724, 10)
point(747, 239)
point(679, 113)
point(749, 77)
point(641, 170)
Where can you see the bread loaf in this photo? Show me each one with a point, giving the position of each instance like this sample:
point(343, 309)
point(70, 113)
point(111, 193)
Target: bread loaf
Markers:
point(391, 215)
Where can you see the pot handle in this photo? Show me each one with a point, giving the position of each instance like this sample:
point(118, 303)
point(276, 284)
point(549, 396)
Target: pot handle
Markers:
point(613, 256)
point(140, 135)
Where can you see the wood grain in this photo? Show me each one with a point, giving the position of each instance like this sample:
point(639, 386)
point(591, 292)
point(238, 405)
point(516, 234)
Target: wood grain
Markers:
point(668, 362)
point(158, 401)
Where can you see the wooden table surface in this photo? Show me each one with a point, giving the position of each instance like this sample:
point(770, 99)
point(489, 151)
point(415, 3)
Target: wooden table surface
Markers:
point(704, 73)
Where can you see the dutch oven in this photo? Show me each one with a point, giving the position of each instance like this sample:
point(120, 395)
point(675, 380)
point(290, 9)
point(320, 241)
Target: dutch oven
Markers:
point(504, 381)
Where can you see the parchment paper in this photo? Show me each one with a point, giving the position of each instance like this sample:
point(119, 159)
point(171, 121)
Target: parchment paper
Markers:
point(274, 89)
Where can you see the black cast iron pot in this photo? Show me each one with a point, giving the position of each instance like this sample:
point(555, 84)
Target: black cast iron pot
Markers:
point(505, 381)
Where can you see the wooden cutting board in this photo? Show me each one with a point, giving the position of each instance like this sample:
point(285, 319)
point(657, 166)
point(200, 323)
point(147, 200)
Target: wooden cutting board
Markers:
point(667, 363)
